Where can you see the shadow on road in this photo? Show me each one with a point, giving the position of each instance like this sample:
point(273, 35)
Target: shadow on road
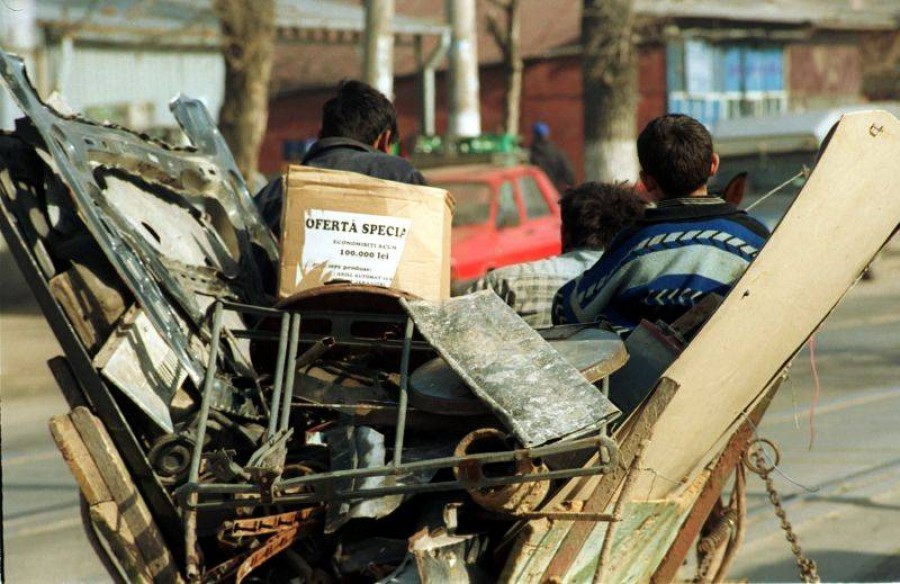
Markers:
point(872, 567)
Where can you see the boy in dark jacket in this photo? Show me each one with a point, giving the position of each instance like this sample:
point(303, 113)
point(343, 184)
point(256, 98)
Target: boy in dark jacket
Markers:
point(691, 245)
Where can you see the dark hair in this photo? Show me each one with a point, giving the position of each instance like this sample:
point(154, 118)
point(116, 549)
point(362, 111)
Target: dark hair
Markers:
point(359, 112)
point(593, 213)
point(677, 151)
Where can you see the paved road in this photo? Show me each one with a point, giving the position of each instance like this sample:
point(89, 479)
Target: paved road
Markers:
point(850, 524)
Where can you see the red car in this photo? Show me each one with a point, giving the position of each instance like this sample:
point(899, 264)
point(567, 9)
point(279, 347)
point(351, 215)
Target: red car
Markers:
point(504, 215)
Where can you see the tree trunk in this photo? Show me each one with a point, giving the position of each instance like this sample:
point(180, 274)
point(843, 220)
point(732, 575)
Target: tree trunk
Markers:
point(248, 44)
point(507, 38)
point(609, 76)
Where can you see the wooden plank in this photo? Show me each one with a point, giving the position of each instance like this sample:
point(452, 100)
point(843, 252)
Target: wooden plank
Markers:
point(115, 530)
point(712, 490)
point(132, 507)
point(66, 381)
point(843, 216)
point(80, 462)
point(639, 428)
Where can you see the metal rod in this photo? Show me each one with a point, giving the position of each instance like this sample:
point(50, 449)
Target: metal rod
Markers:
point(404, 393)
point(314, 353)
point(250, 308)
point(254, 335)
point(190, 517)
point(421, 465)
point(291, 371)
point(568, 516)
point(253, 499)
point(279, 375)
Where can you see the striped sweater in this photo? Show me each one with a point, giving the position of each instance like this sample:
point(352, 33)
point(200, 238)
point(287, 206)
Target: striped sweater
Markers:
point(659, 268)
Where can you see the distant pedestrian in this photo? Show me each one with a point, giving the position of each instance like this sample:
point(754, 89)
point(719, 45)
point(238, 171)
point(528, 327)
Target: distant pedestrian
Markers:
point(549, 158)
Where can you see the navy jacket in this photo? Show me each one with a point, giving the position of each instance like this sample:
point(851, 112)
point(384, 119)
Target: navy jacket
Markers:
point(338, 154)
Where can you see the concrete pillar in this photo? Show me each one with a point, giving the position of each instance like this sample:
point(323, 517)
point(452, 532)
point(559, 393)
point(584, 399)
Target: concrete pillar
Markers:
point(379, 47)
point(465, 110)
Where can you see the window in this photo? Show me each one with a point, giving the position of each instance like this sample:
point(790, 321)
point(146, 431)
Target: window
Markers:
point(725, 80)
point(535, 204)
point(473, 202)
point(507, 210)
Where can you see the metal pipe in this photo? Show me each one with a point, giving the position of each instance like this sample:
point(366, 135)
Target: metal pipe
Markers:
point(404, 393)
point(291, 371)
point(250, 308)
point(315, 352)
point(279, 374)
point(190, 517)
point(253, 499)
point(422, 465)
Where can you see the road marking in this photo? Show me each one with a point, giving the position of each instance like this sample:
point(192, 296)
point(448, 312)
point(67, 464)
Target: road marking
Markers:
point(44, 528)
point(837, 405)
point(865, 321)
point(23, 458)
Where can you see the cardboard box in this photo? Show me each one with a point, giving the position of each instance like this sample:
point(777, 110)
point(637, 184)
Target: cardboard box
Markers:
point(344, 226)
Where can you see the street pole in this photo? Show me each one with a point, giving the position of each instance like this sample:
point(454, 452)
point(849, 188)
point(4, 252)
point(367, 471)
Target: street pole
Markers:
point(379, 46)
point(464, 112)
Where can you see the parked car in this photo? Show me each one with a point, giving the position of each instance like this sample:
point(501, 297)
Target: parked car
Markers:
point(504, 215)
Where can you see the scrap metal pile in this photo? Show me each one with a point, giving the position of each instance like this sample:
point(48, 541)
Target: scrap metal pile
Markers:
point(349, 432)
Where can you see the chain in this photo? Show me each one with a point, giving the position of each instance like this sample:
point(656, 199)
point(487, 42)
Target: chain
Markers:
point(759, 465)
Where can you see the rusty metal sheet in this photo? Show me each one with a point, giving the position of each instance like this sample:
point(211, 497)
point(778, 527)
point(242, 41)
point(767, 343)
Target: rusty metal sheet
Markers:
point(536, 393)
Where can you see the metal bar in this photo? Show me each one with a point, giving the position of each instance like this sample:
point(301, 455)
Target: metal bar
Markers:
point(604, 388)
point(291, 371)
point(253, 499)
point(253, 335)
point(422, 465)
point(190, 516)
point(404, 393)
point(250, 308)
point(279, 374)
point(568, 516)
point(315, 352)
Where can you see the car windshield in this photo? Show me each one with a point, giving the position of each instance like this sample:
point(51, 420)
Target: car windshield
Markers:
point(473, 202)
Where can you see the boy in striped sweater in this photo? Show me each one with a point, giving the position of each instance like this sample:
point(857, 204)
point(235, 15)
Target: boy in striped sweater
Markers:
point(691, 245)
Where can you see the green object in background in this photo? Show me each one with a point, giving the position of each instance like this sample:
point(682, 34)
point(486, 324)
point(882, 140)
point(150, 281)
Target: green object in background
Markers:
point(484, 144)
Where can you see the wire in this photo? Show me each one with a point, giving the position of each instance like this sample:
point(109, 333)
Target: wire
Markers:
point(815, 400)
point(804, 171)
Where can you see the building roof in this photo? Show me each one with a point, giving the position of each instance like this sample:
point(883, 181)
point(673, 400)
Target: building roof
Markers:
point(548, 28)
point(181, 22)
point(790, 132)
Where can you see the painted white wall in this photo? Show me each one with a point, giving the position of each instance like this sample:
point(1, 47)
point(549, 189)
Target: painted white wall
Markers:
point(105, 77)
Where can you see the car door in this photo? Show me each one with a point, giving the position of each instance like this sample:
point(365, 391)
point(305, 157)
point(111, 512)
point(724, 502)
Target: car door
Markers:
point(511, 245)
point(541, 224)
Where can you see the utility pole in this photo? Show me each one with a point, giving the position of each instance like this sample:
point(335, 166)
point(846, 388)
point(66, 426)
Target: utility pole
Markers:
point(464, 111)
point(379, 57)
point(609, 75)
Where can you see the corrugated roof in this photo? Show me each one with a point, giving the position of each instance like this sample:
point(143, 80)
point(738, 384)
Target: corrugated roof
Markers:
point(181, 22)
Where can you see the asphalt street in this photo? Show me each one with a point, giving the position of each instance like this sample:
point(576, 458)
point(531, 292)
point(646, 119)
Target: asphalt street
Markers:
point(842, 494)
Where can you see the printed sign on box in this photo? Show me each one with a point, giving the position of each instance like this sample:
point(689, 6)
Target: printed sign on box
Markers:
point(356, 247)
point(347, 227)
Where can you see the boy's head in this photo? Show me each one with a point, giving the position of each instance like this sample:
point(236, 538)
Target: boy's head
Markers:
point(593, 213)
point(676, 155)
point(362, 113)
